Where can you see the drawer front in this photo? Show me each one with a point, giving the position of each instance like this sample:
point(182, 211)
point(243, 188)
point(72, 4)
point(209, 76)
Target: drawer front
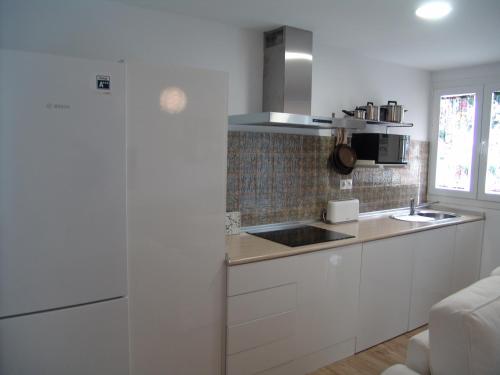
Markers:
point(311, 362)
point(251, 306)
point(261, 358)
point(289, 368)
point(260, 332)
point(261, 275)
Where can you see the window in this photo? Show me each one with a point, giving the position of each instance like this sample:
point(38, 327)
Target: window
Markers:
point(489, 172)
point(492, 183)
point(455, 142)
point(465, 143)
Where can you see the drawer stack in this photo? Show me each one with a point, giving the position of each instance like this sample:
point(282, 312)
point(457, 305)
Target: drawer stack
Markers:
point(260, 319)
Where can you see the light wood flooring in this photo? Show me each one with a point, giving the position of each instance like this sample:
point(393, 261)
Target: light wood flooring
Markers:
point(374, 360)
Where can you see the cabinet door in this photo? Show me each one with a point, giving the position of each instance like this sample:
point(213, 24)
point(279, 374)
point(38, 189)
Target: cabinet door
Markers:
point(467, 257)
point(176, 144)
point(62, 183)
point(385, 290)
point(82, 340)
point(432, 272)
point(327, 298)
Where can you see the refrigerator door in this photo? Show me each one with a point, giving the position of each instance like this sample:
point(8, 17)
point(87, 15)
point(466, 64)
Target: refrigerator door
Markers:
point(177, 142)
point(62, 173)
point(91, 339)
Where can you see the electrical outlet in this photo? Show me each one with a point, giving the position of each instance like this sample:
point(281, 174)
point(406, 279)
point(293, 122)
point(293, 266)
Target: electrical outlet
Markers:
point(346, 184)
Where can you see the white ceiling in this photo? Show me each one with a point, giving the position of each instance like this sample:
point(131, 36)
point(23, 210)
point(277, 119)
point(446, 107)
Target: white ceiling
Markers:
point(383, 29)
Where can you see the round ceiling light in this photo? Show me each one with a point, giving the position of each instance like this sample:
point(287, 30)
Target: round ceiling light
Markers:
point(434, 10)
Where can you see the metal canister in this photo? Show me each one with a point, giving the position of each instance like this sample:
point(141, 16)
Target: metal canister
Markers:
point(394, 112)
point(372, 112)
point(359, 113)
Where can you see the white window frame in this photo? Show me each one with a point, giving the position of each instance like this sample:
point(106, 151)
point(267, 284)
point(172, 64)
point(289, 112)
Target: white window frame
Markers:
point(485, 135)
point(478, 90)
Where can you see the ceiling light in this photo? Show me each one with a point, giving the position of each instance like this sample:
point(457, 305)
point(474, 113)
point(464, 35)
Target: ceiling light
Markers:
point(434, 10)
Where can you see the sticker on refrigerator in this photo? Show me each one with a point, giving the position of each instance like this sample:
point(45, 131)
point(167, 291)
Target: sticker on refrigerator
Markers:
point(103, 83)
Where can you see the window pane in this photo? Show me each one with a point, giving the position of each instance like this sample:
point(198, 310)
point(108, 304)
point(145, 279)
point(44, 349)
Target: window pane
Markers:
point(492, 185)
point(455, 142)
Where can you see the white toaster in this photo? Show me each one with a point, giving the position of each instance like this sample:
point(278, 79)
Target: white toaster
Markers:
point(342, 211)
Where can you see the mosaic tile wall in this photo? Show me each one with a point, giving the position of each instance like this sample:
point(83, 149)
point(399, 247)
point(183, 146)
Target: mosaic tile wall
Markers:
point(273, 178)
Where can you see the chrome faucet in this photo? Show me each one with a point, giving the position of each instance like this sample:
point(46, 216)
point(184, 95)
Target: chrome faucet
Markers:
point(412, 206)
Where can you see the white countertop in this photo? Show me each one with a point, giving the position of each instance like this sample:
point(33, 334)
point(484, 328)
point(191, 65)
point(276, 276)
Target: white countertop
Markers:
point(246, 248)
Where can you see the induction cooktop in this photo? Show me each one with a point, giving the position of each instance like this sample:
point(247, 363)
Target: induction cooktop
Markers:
point(302, 235)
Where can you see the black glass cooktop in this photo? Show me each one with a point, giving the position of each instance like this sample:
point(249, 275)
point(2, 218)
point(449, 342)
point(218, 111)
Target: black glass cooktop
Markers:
point(301, 236)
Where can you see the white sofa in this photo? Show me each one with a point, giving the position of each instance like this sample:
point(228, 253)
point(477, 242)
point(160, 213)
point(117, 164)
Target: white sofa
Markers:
point(463, 336)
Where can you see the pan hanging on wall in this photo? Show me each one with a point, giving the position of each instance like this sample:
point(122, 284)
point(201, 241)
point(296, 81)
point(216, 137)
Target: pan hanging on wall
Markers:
point(343, 157)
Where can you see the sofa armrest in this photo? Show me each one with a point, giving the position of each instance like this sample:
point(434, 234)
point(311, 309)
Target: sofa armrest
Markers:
point(496, 272)
point(418, 353)
point(399, 370)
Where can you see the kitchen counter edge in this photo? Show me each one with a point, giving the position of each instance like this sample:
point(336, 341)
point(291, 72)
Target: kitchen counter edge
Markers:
point(244, 248)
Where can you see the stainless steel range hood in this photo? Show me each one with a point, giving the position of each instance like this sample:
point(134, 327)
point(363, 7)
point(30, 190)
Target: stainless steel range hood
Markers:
point(286, 99)
point(287, 71)
point(288, 120)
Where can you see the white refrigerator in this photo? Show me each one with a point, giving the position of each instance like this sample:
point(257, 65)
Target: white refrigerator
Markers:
point(63, 256)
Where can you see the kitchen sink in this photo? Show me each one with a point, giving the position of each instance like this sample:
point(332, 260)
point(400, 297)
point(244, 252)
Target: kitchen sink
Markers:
point(426, 216)
point(437, 215)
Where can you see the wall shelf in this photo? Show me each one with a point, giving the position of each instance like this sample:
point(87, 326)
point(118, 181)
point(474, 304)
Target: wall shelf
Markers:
point(352, 123)
point(372, 164)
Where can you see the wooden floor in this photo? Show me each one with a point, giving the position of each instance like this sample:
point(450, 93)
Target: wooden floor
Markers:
point(374, 360)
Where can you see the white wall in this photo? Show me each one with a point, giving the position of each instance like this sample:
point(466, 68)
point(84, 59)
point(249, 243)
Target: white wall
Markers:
point(103, 30)
point(478, 74)
point(475, 75)
point(112, 31)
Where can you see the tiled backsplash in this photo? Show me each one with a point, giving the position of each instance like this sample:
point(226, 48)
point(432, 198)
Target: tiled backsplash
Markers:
point(274, 178)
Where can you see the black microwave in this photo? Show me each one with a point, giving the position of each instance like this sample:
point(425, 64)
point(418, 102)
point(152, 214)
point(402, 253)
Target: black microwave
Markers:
point(382, 148)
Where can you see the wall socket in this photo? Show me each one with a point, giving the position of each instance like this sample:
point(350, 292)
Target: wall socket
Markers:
point(346, 184)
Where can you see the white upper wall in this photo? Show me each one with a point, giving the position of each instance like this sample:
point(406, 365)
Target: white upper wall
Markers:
point(478, 74)
point(103, 30)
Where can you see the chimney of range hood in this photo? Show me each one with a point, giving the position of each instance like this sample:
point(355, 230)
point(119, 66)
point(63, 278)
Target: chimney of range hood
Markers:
point(287, 71)
point(286, 99)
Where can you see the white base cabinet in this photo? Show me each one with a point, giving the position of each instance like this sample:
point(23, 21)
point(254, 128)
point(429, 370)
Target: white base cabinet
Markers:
point(385, 290)
point(432, 271)
point(327, 298)
point(403, 277)
point(296, 314)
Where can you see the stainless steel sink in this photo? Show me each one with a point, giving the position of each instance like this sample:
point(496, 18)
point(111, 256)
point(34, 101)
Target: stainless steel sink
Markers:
point(426, 216)
point(438, 215)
